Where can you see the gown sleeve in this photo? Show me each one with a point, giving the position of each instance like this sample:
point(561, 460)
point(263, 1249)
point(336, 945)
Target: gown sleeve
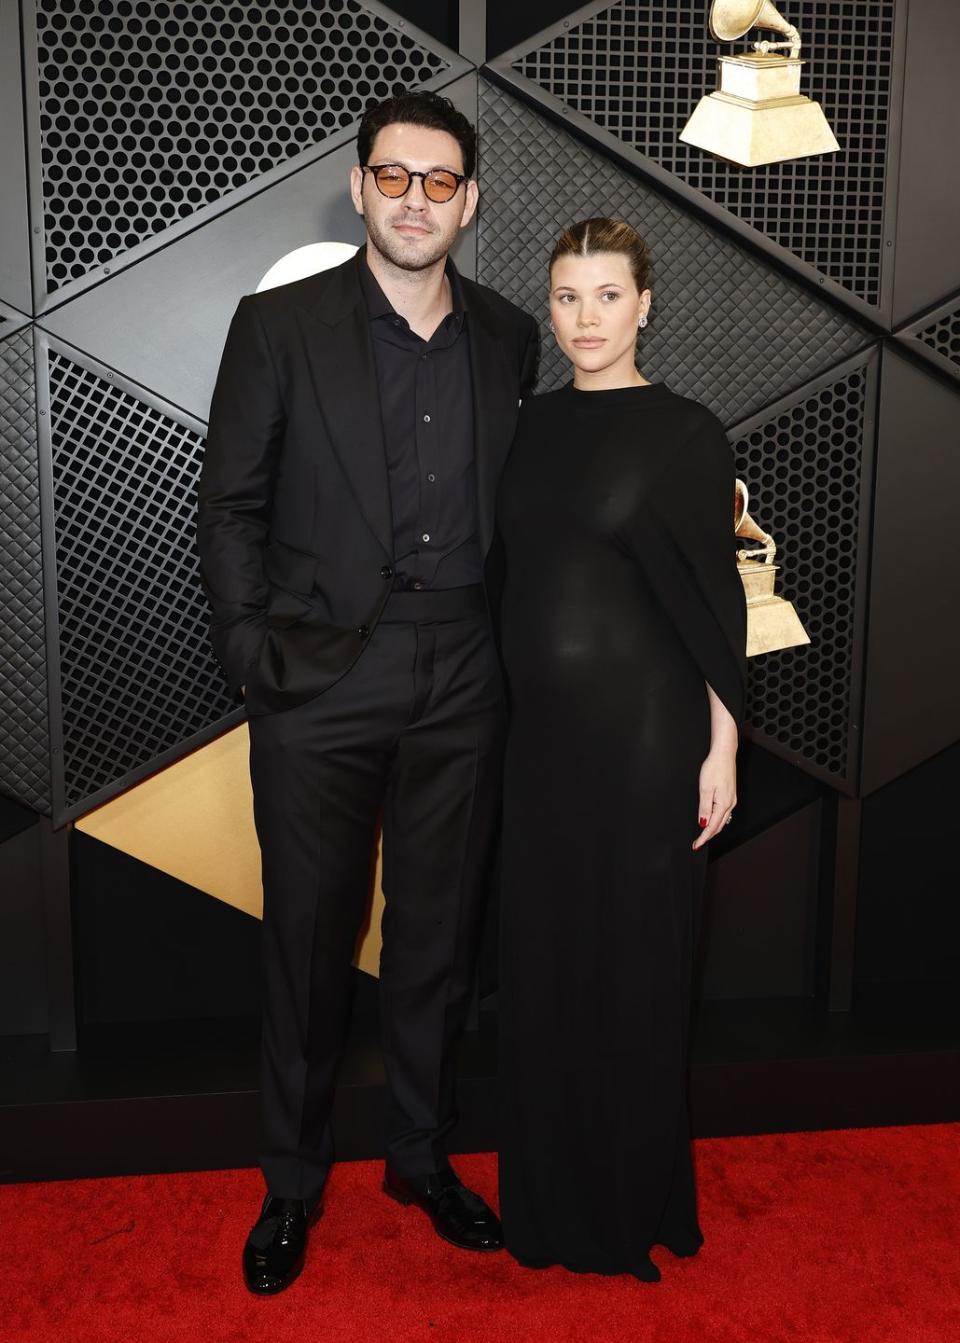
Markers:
point(685, 544)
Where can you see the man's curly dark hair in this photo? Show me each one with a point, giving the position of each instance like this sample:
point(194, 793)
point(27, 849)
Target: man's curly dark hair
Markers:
point(419, 108)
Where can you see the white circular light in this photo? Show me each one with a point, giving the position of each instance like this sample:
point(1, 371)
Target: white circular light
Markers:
point(304, 261)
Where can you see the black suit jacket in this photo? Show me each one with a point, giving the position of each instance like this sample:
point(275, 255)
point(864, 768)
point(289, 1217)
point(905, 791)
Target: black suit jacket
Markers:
point(294, 529)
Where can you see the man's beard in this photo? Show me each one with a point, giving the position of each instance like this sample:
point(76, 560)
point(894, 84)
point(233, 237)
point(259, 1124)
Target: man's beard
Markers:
point(390, 245)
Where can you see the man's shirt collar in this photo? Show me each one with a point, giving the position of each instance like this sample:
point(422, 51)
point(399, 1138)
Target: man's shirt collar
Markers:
point(378, 305)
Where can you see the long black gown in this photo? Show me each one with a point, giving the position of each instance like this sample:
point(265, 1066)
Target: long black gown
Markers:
point(621, 600)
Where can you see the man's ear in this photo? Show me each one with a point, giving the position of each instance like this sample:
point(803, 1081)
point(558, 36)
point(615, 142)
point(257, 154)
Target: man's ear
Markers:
point(472, 196)
point(356, 188)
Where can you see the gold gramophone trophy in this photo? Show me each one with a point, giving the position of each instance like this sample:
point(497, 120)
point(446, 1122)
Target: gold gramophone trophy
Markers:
point(772, 622)
point(758, 115)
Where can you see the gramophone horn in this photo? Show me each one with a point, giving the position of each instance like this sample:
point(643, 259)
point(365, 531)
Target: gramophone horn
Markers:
point(745, 527)
point(740, 499)
point(730, 19)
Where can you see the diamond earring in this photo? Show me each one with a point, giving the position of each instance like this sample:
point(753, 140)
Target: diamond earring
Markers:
point(642, 323)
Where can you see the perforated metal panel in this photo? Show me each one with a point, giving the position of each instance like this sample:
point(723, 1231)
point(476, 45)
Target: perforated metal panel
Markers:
point(137, 677)
point(725, 326)
point(24, 753)
point(805, 470)
point(935, 337)
point(149, 111)
point(944, 336)
point(637, 69)
point(14, 222)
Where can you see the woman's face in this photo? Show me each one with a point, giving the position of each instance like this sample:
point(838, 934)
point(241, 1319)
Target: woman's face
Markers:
point(595, 310)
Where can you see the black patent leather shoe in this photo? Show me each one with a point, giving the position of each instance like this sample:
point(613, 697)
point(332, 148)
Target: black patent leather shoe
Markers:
point(276, 1247)
point(458, 1215)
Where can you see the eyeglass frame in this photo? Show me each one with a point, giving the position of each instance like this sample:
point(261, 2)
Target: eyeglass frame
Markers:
point(375, 168)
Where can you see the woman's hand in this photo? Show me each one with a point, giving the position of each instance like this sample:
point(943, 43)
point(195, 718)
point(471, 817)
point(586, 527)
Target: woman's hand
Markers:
point(718, 792)
point(718, 773)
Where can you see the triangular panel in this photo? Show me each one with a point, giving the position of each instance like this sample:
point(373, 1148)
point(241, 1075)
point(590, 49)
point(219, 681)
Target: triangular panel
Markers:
point(11, 320)
point(928, 193)
point(725, 326)
point(24, 759)
point(912, 710)
point(807, 462)
point(637, 69)
point(936, 337)
point(194, 821)
point(162, 322)
point(137, 680)
point(14, 219)
point(149, 116)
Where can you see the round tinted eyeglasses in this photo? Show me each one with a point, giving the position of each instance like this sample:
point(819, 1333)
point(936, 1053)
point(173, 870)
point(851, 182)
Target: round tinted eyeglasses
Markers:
point(394, 181)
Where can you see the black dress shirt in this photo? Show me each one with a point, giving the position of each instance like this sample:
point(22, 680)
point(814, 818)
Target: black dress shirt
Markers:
point(426, 407)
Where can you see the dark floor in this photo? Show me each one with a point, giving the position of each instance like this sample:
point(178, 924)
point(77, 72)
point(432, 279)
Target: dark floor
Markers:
point(183, 1096)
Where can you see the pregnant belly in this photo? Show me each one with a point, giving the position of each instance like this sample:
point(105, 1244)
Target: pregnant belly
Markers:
point(590, 647)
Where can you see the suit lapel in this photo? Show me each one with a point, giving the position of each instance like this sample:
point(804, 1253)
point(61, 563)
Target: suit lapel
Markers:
point(495, 402)
point(336, 333)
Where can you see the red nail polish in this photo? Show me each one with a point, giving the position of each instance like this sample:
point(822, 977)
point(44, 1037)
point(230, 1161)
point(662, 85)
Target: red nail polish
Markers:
point(703, 822)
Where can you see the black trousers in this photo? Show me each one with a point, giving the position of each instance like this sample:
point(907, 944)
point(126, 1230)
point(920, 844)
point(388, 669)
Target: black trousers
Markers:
point(414, 731)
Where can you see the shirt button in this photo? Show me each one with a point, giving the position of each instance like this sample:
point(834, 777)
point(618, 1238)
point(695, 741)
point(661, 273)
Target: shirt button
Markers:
point(426, 419)
point(426, 536)
point(386, 571)
point(363, 631)
point(431, 477)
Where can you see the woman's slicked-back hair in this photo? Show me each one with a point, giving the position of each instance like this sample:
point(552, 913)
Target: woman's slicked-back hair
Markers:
point(591, 236)
point(420, 108)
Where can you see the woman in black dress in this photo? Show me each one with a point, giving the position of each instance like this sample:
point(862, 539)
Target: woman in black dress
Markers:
point(623, 626)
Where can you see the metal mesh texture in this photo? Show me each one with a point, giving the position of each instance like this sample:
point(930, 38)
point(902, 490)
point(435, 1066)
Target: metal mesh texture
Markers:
point(803, 470)
point(944, 336)
point(137, 676)
point(149, 111)
point(637, 69)
point(24, 758)
point(705, 286)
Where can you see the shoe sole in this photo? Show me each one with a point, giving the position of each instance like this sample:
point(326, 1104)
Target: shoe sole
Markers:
point(405, 1202)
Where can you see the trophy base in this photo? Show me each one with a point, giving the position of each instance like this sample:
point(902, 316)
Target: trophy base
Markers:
point(758, 115)
point(772, 622)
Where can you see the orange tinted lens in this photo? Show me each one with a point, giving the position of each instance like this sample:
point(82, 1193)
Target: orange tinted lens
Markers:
point(439, 186)
point(392, 181)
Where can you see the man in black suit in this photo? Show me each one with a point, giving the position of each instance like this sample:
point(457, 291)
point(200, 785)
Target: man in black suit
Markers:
point(359, 425)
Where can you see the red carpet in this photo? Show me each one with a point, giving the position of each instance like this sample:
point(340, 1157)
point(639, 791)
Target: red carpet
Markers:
point(847, 1237)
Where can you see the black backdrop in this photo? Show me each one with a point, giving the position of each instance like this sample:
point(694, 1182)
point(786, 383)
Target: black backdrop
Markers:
point(156, 158)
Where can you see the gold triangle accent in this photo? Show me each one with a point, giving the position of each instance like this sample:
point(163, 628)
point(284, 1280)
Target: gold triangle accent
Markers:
point(194, 821)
